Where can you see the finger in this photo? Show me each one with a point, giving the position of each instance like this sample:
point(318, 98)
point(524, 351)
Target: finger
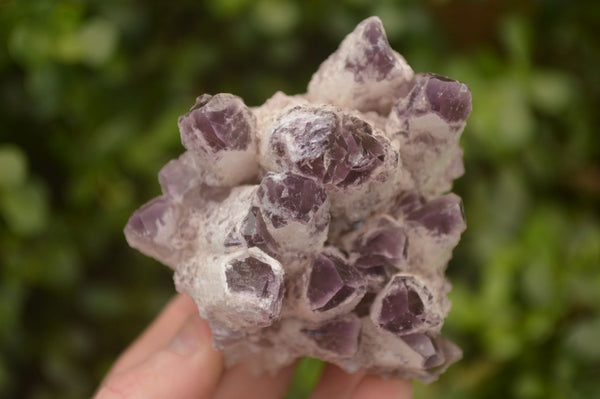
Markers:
point(187, 367)
point(158, 334)
point(375, 387)
point(240, 382)
point(336, 383)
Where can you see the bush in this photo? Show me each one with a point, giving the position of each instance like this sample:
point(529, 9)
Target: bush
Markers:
point(90, 94)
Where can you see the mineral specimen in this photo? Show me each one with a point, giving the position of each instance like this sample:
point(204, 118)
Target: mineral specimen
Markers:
point(320, 224)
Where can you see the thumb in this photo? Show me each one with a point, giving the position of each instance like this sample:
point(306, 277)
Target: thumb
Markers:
point(187, 367)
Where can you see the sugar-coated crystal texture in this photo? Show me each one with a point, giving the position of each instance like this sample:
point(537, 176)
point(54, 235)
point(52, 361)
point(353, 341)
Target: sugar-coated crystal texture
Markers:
point(320, 224)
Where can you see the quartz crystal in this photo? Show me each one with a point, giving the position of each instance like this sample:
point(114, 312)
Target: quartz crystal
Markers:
point(320, 224)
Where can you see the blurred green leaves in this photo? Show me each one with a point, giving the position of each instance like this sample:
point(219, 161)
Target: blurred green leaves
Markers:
point(57, 33)
point(582, 340)
point(306, 378)
point(91, 91)
point(25, 208)
point(22, 200)
point(275, 17)
point(13, 166)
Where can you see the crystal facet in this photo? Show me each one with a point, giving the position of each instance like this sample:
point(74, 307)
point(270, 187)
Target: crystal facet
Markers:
point(404, 307)
point(252, 276)
point(443, 215)
point(339, 336)
point(216, 123)
point(320, 224)
point(332, 282)
point(255, 231)
point(291, 198)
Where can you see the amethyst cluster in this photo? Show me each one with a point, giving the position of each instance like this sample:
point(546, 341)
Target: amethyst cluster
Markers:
point(320, 224)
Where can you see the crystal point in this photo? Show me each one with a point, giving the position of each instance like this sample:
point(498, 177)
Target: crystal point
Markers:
point(339, 336)
point(332, 282)
point(252, 276)
point(448, 98)
point(291, 197)
point(335, 149)
point(443, 215)
point(146, 221)
point(377, 59)
point(217, 123)
point(428, 123)
point(364, 73)
point(404, 306)
point(255, 231)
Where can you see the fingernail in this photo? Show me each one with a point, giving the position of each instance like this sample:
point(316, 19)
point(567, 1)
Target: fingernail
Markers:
point(190, 337)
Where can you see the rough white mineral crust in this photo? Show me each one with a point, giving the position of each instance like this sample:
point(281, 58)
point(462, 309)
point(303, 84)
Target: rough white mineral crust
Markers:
point(320, 224)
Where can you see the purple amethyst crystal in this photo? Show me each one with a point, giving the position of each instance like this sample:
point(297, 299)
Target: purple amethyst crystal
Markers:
point(426, 347)
point(450, 99)
point(320, 224)
point(146, 221)
point(402, 307)
point(332, 282)
point(443, 215)
point(178, 177)
point(335, 149)
point(295, 211)
point(384, 245)
point(220, 132)
point(255, 233)
point(151, 229)
point(364, 73)
point(428, 123)
point(401, 310)
point(377, 60)
point(339, 336)
point(436, 352)
point(248, 280)
point(252, 276)
point(447, 98)
point(289, 197)
point(379, 252)
point(180, 180)
point(217, 123)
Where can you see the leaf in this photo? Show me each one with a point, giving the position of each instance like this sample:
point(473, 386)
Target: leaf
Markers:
point(13, 166)
point(25, 208)
point(583, 341)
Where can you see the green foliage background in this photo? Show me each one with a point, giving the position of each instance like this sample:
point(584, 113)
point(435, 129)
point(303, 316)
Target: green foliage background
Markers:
point(90, 92)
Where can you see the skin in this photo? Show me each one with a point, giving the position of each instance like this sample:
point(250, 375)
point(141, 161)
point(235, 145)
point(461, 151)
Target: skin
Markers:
point(174, 358)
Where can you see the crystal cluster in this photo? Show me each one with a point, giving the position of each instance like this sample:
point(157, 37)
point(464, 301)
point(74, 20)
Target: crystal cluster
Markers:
point(320, 224)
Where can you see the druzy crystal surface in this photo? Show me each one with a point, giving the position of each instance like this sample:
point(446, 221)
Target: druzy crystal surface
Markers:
point(320, 224)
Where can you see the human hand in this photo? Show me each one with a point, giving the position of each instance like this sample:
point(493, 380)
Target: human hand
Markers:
point(174, 358)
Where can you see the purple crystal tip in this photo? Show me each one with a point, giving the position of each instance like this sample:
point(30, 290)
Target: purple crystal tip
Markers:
point(216, 123)
point(290, 197)
point(335, 149)
point(333, 281)
point(449, 98)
